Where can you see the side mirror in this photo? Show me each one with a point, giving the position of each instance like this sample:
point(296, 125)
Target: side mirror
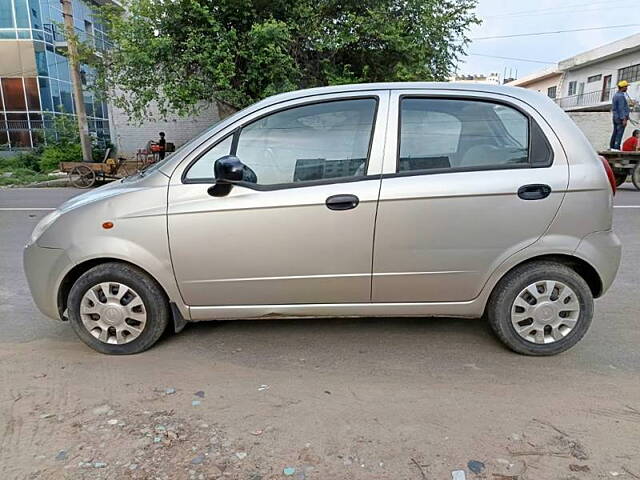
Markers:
point(226, 170)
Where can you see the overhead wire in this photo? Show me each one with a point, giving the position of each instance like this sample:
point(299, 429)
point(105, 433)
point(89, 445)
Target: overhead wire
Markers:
point(528, 60)
point(554, 32)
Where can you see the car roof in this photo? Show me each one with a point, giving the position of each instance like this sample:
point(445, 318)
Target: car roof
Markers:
point(517, 92)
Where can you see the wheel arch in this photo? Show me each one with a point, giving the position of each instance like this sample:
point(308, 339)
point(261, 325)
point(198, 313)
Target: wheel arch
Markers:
point(78, 270)
point(579, 265)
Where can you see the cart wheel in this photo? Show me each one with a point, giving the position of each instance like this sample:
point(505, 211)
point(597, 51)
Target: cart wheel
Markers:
point(82, 176)
point(635, 176)
point(620, 176)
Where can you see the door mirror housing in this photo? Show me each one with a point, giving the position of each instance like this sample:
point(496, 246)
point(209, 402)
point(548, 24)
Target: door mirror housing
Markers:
point(227, 170)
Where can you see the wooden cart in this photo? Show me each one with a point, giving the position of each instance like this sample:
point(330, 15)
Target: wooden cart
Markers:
point(624, 164)
point(85, 174)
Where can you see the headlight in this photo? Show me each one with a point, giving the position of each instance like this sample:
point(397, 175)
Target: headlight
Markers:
point(43, 225)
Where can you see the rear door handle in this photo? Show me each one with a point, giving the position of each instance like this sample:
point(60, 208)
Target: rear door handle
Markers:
point(342, 202)
point(535, 191)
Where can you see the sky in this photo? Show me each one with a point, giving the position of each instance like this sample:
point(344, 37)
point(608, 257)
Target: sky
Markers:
point(504, 17)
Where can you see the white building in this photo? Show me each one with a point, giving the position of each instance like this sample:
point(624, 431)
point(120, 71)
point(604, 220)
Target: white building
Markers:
point(545, 82)
point(583, 85)
point(589, 78)
point(586, 81)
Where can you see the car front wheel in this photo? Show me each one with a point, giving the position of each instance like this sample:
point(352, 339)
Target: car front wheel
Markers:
point(541, 308)
point(117, 309)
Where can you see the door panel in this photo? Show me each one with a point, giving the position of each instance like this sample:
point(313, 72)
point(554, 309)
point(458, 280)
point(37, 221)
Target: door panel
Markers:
point(280, 244)
point(440, 235)
point(272, 247)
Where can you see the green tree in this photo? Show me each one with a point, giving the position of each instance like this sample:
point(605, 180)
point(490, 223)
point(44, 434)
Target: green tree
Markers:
point(184, 54)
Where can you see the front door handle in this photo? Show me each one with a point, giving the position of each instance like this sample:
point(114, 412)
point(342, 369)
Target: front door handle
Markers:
point(342, 202)
point(535, 191)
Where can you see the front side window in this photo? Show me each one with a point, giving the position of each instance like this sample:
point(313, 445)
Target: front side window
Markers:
point(202, 169)
point(445, 133)
point(309, 143)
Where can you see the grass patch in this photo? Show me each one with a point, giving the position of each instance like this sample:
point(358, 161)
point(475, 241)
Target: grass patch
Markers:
point(23, 176)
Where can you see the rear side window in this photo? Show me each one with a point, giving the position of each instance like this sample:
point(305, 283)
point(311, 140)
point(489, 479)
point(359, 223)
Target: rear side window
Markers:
point(468, 134)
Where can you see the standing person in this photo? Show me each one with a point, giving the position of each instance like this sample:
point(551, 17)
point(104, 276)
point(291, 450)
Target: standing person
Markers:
point(162, 143)
point(620, 111)
point(631, 143)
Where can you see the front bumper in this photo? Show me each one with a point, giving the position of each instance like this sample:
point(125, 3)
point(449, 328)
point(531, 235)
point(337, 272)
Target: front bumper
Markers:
point(603, 250)
point(45, 268)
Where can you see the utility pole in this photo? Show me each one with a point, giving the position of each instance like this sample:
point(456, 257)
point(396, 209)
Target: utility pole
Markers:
point(76, 82)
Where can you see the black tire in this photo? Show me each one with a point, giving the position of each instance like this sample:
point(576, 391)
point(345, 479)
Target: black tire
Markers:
point(151, 294)
point(504, 294)
point(620, 177)
point(635, 176)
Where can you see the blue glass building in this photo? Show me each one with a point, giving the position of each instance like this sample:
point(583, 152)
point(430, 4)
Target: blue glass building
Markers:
point(35, 80)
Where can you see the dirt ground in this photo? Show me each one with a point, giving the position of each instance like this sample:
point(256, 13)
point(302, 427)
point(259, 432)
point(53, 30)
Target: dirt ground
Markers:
point(70, 413)
point(335, 399)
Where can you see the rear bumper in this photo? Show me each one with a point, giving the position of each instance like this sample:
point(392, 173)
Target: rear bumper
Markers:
point(45, 269)
point(603, 251)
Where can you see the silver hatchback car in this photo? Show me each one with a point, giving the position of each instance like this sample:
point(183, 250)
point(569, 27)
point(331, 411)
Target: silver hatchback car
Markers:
point(409, 199)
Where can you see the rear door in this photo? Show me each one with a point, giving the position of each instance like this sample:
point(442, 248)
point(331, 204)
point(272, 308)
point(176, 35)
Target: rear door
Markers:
point(469, 180)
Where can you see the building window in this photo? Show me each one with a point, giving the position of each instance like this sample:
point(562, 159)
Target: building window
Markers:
point(551, 92)
point(32, 94)
point(22, 14)
point(6, 15)
point(572, 88)
point(29, 101)
point(630, 74)
point(13, 92)
point(594, 78)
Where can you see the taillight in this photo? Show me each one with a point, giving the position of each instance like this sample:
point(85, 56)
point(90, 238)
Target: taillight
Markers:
point(610, 175)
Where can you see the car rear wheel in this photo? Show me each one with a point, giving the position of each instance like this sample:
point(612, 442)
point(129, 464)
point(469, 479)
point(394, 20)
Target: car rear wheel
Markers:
point(541, 308)
point(117, 309)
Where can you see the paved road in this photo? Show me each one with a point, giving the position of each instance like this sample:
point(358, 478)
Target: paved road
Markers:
point(356, 399)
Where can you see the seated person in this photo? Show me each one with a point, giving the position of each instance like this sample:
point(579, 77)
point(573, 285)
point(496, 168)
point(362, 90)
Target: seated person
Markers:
point(631, 143)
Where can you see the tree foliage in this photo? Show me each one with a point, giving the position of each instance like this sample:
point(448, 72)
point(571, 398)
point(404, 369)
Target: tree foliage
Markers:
point(183, 54)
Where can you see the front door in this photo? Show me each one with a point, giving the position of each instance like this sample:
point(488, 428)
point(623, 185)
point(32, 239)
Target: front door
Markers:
point(302, 232)
point(449, 210)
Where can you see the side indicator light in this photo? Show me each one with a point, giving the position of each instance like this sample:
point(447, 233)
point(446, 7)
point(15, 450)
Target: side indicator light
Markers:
point(107, 225)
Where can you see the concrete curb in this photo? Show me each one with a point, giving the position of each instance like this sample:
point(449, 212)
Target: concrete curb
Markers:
point(59, 182)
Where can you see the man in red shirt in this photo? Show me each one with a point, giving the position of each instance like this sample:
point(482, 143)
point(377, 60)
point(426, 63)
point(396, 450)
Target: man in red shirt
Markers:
point(631, 143)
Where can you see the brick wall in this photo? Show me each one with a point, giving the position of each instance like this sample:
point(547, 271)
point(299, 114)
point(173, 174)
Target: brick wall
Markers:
point(129, 137)
point(597, 127)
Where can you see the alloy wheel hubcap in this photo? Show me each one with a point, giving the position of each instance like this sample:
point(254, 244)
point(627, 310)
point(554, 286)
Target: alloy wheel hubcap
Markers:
point(113, 313)
point(545, 312)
